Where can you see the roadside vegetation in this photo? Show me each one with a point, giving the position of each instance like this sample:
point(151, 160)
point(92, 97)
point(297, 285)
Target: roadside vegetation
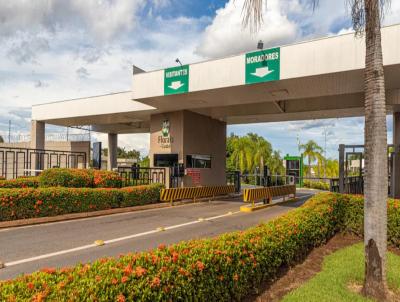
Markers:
point(66, 191)
point(245, 153)
point(226, 268)
point(342, 276)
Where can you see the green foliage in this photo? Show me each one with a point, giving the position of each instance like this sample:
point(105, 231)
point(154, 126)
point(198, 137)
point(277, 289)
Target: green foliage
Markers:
point(22, 182)
point(341, 269)
point(105, 179)
point(145, 162)
point(43, 202)
point(319, 185)
point(245, 153)
point(79, 178)
point(226, 268)
point(71, 178)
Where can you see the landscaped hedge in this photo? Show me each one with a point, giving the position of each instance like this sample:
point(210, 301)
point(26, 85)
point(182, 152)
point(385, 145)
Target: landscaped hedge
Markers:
point(21, 182)
point(225, 268)
point(43, 202)
point(319, 185)
point(79, 178)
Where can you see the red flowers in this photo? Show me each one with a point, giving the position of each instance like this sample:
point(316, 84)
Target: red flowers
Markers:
point(140, 271)
point(175, 257)
point(156, 282)
point(200, 265)
point(121, 298)
point(124, 279)
point(128, 270)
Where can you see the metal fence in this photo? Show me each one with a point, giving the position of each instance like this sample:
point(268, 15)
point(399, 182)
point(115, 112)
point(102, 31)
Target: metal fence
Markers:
point(17, 162)
point(135, 175)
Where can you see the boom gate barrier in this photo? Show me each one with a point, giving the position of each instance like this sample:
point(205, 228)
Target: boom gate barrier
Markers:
point(253, 194)
point(174, 194)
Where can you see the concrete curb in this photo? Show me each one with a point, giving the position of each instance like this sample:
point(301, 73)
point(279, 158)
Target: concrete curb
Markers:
point(73, 216)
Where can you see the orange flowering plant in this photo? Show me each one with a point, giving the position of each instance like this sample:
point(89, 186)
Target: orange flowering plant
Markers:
point(43, 202)
point(226, 268)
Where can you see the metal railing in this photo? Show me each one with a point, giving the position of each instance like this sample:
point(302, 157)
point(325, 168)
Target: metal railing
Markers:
point(16, 162)
point(136, 175)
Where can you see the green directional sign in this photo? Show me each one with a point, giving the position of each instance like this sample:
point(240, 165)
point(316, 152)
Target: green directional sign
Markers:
point(176, 80)
point(263, 66)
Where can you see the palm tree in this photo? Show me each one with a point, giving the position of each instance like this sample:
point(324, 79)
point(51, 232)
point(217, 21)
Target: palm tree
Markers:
point(312, 151)
point(366, 17)
point(261, 150)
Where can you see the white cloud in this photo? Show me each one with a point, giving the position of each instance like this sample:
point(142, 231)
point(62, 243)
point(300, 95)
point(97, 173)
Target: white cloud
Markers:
point(226, 35)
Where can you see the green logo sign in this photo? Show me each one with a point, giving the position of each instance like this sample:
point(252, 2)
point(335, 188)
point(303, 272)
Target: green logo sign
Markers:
point(165, 128)
point(263, 66)
point(176, 80)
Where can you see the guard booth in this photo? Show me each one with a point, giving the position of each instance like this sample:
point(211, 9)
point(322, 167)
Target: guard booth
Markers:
point(294, 168)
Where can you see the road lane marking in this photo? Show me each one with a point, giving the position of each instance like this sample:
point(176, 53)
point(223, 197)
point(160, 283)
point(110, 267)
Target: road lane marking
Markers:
point(88, 246)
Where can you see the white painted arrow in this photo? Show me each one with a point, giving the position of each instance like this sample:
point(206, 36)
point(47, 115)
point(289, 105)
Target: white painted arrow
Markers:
point(176, 85)
point(262, 72)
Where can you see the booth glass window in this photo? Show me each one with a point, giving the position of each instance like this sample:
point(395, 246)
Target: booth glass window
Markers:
point(165, 160)
point(198, 161)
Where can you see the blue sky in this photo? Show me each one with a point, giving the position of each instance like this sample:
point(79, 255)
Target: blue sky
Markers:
point(60, 49)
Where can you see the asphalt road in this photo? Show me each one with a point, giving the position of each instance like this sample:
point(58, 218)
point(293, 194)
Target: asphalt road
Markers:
point(27, 249)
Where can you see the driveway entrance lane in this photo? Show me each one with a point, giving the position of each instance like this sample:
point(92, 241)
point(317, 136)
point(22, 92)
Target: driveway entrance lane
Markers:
point(204, 229)
point(25, 242)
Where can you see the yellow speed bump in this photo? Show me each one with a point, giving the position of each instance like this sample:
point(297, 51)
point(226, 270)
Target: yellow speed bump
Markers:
point(161, 229)
point(251, 208)
point(99, 242)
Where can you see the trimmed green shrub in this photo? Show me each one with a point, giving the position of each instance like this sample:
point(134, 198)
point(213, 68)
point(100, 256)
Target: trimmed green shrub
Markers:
point(319, 185)
point(44, 202)
point(140, 195)
point(71, 178)
point(79, 178)
point(21, 182)
point(106, 179)
point(226, 268)
point(222, 269)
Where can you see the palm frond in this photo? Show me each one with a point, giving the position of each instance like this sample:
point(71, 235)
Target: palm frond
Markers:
point(252, 14)
point(358, 8)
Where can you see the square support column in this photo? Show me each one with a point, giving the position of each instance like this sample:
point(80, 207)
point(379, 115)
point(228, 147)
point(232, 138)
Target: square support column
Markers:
point(395, 177)
point(37, 134)
point(35, 160)
point(112, 151)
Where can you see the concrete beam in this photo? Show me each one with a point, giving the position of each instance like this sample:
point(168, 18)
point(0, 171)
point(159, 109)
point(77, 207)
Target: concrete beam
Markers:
point(112, 151)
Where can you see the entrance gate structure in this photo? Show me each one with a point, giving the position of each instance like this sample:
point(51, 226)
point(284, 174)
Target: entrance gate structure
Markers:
point(186, 109)
point(351, 170)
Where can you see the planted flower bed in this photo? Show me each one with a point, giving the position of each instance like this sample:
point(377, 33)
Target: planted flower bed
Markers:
point(70, 178)
point(43, 202)
point(226, 268)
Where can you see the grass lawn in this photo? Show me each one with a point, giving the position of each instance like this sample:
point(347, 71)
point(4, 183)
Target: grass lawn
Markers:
point(340, 269)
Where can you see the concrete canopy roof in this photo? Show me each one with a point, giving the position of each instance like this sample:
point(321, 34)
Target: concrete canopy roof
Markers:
point(318, 79)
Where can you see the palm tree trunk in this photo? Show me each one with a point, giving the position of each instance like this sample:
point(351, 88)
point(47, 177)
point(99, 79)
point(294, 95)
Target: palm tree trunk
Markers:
point(376, 178)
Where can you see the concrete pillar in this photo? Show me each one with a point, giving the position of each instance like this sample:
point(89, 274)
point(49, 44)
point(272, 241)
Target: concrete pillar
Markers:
point(35, 159)
point(112, 151)
point(37, 134)
point(395, 181)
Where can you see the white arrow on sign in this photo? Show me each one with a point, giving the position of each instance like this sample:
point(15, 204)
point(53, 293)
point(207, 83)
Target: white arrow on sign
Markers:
point(262, 72)
point(176, 85)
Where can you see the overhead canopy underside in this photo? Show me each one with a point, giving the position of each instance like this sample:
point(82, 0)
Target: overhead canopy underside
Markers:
point(319, 79)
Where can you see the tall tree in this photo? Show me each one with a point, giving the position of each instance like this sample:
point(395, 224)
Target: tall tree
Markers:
point(1, 139)
point(312, 151)
point(366, 17)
